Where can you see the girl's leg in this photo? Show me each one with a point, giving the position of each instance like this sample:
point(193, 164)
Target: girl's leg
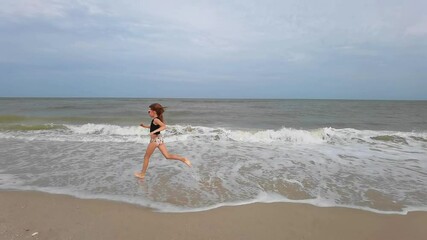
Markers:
point(167, 155)
point(150, 149)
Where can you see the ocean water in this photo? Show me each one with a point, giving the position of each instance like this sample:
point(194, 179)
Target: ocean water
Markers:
point(369, 155)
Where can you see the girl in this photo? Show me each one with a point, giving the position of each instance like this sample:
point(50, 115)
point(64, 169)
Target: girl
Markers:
point(157, 124)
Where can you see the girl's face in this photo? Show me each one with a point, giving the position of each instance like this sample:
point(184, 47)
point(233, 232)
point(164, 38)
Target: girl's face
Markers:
point(151, 113)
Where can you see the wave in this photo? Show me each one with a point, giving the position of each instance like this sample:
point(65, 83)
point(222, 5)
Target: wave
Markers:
point(91, 132)
point(28, 120)
point(323, 167)
point(391, 138)
point(11, 118)
point(31, 127)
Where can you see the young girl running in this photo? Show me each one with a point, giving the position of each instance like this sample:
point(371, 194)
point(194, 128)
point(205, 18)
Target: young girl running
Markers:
point(156, 141)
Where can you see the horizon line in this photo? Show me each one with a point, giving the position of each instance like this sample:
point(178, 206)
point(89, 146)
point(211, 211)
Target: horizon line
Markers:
point(206, 98)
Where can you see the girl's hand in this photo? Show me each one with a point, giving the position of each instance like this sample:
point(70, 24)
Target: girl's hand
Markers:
point(142, 125)
point(152, 134)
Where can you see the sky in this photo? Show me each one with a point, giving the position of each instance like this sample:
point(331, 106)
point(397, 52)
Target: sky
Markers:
point(285, 49)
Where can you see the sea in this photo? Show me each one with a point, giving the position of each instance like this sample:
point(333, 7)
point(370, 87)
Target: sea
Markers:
point(369, 155)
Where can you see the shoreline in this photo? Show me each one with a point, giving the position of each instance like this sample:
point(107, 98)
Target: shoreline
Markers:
point(405, 211)
point(54, 216)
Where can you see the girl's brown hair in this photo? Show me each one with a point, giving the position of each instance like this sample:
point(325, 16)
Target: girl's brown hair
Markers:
point(159, 109)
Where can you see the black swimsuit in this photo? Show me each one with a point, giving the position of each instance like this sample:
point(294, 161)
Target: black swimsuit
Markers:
point(154, 127)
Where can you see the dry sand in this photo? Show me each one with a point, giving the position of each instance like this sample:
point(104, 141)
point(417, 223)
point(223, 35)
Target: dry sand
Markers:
point(62, 217)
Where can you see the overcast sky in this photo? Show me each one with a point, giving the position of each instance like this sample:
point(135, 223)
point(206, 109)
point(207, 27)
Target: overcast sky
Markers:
point(330, 49)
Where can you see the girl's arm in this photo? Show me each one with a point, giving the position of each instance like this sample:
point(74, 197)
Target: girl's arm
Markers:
point(142, 125)
point(162, 126)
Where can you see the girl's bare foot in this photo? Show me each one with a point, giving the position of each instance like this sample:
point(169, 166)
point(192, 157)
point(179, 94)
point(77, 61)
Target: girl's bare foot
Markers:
point(186, 161)
point(139, 175)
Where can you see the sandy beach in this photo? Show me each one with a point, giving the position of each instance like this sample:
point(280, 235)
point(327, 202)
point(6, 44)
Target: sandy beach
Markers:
point(48, 216)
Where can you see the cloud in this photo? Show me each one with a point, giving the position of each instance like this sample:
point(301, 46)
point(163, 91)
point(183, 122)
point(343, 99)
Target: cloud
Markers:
point(49, 9)
point(215, 41)
point(418, 29)
point(32, 9)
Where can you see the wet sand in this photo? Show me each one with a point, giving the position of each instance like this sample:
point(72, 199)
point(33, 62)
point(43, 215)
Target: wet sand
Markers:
point(23, 214)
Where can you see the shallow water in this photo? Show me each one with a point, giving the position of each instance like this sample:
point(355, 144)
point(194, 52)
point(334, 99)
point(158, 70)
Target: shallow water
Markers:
point(360, 154)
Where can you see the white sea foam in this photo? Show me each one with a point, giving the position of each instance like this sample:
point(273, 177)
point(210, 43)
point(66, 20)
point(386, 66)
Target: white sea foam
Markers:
point(282, 135)
point(325, 167)
point(113, 133)
point(9, 181)
point(105, 129)
point(262, 197)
